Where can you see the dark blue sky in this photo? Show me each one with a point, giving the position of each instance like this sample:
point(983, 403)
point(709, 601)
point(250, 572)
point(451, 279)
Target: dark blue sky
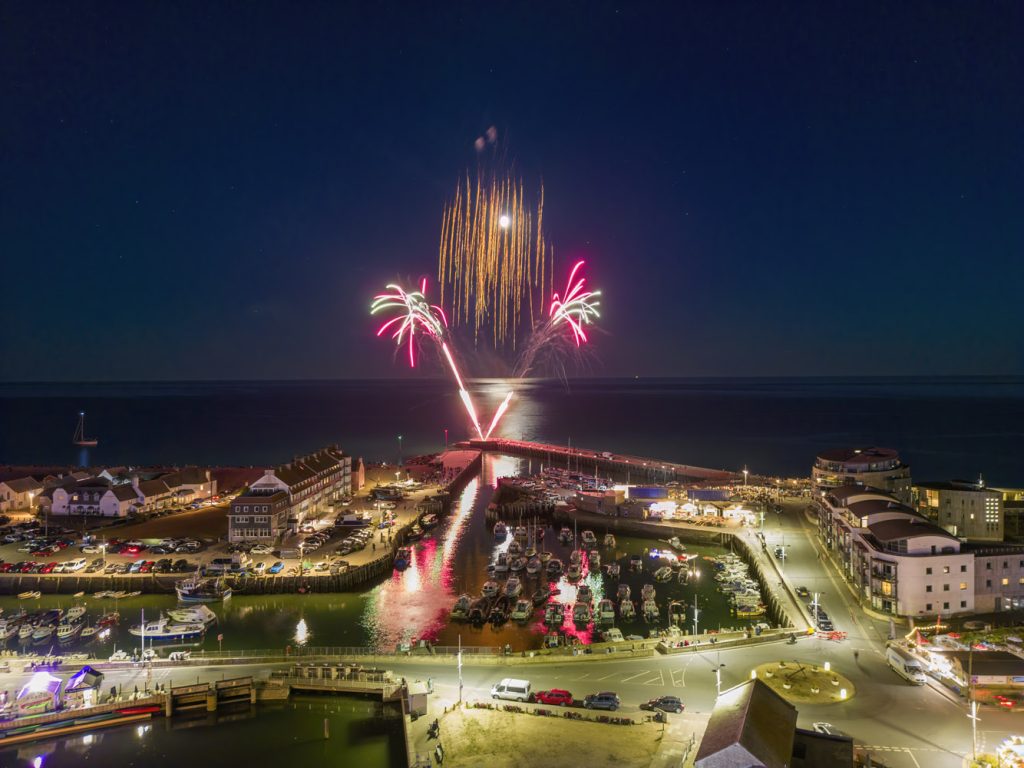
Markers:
point(209, 190)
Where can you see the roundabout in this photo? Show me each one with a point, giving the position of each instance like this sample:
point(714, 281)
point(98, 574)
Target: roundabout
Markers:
point(803, 683)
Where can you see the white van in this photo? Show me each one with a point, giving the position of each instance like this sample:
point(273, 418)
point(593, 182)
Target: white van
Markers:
point(905, 665)
point(74, 565)
point(509, 688)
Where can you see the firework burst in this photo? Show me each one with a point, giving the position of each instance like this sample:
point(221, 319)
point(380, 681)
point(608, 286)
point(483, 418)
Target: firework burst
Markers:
point(415, 314)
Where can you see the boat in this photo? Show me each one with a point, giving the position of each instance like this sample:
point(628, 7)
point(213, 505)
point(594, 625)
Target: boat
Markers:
point(29, 595)
point(533, 566)
point(581, 613)
point(403, 558)
point(461, 608)
point(414, 534)
point(541, 596)
point(627, 611)
point(489, 589)
point(585, 594)
point(576, 557)
point(500, 531)
point(606, 611)
point(109, 619)
point(612, 635)
point(636, 563)
point(589, 539)
point(647, 592)
point(531, 551)
point(513, 588)
point(501, 564)
point(478, 611)
point(574, 573)
point(102, 594)
point(554, 614)
point(613, 570)
point(43, 633)
point(79, 594)
point(80, 439)
point(554, 567)
point(650, 610)
point(515, 548)
point(9, 629)
point(520, 534)
point(676, 544)
point(683, 577)
point(88, 633)
point(750, 612)
point(75, 613)
point(594, 558)
point(68, 631)
point(676, 612)
point(138, 592)
point(545, 556)
point(565, 535)
point(197, 590)
point(499, 613)
point(522, 610)
point(623, 592)
point(663, 574)
point(517, 564)
point(165, 629)
point(429, 520)
point(192, 614)
point(25, 632)
point(609, 540)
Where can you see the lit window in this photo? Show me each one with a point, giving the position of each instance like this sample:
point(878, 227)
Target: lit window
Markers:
point(1006, 582)
point(945, 569)
point(963, 585)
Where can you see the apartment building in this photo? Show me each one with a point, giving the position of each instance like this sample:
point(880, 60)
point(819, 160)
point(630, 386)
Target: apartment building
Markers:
point(869, 466)
point(965, 509)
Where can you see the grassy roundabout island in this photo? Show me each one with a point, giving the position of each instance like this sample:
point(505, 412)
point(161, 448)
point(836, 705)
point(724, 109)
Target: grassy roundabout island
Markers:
point(802, 683)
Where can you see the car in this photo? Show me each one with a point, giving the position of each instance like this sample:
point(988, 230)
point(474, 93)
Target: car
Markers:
point(665, 704)
point(556, 696)
point(93, 568)
point(48, 568)
point(6, 567)
point(123, 568)
point(160, 549)
point(146, 567)
point(259, 568)
point(260, 549)
point(1005, 701)
point(780, 553)
point(89, 549)
point(276, 568)
point(803, 592)
point(322, 566)
point(111, 568)
point(604, 700)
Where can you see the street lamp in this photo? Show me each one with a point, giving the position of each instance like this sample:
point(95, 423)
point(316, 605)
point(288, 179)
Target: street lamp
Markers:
point(718, 679)
point(399, 451)
point(745, 473)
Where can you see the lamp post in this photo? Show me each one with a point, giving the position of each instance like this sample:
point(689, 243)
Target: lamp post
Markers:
point(399, 451)
point(973, 717)
point(718, 679)
point(745, 473)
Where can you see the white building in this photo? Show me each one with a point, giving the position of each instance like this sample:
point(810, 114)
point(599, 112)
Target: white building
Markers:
point(869, 466)
point(94, 498)
point(19, 494)
point(968, 510)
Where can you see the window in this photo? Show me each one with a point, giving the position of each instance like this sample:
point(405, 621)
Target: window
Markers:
point(1005, 564)
point(945, 606)
point(988, 566)
point(963, 603)
point(928, 607)
point(963, 585)
point(928, 588)
point(1006, 582)
point(945, 587)
point(945, 569)
point(963, 569)
point(988, 582)
point(928, 571)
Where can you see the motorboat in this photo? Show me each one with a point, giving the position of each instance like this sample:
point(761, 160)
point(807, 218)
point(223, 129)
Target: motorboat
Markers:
point(554, 614)
point(531, 552)
point(533, 566)
point(403, 558)
point(67, 632)
point(581, 613)
point(8, 629)
point(29, 595)
point(461, 608)
point(197, 590)
point(636, 563)
point(613, 570)
point(478, 611)
point(102, 594)
point(545, 556)
point(517, 564)
point(499, 613)
point(109, 619)
point(683, 577)
point(501, 564)
point(500, 531)
point(676, 612)
point(606, 611)
point(520, 534)
point(589, 539)
point(576, 557)
point(612, 635)
point(489, 589)
point(623, 592)
point(574, 573)
point(663, 574)
point(88, 633)
point(25, 632)
point(627, 611)
point(192, 614)
point(647, 592)
point(541, 596)
point(650, 610)
point(429, 520)
point(554, 567)
point(609, 540)
point(42, 633)
point(514, 549)
point(76, 613)
point(165, 629)
point(522, 610)
point(513, 588)
point(676, 544)
point(565, 535)
point(594, 558)
point(585, 594)
point(415, 533)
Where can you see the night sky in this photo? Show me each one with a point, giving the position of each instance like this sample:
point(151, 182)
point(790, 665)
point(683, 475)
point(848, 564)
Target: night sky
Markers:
point(214, 190)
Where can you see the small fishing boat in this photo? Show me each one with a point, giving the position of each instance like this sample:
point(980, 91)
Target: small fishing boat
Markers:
point(613, 570)
point(499, 613)
point(520, 534)
point(42, 633)
point(429, 520)
point(650, 611)
point(67, 632)
point(414, 534)
point(489, 589)
point(522, 610)
point(88, 633)
point(29, 595)
point(589, 539)
point(478, 611)
point(403, 558)
point(513, 588)
point(545, 556)
point(554, 567)
point(576, 557)
point(675, 543)
point(531, 551)
point(192, 614)
point(594, 558)
point(102, 594)
point(647, 592)
point(636, 563)
point(501, 564)
point(533, 566)
point(623, 592)
point(514, 549)
point(164, 629)
point(581, 613)
point(663, 574)
point(683, 577)
point(676, 612)
point(574, 573)
point(500, 531)
point(555, 614)
point(461, 608)
point(517, 564)
point(627, 611)
point(606, 611)
point(585, 594)
point(75, 613)
point(109, 619)
point(79, 594)
point(609, 540)
point(565, 535)
point(541, 596)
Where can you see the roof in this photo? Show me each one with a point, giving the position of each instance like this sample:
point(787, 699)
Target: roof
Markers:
point(989, 662)
point(751, 725)
point(125, 492)
point(956, 485)
point(187, 476)
point(844, 492)
point(860, 455)
point(258, 498)
point(875, 505)
point(907, 528)
point(24, 485)
point(153, 488)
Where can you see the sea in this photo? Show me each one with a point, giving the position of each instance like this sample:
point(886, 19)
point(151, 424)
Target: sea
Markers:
point(945, 428)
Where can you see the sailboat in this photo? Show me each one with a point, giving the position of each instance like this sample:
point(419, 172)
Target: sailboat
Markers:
point(80, 439)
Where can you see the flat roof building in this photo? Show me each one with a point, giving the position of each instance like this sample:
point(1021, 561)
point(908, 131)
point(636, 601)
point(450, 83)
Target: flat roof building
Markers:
point(965, 509)
point(869, 466)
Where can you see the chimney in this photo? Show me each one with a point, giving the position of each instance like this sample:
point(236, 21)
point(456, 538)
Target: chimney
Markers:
point(135, 483)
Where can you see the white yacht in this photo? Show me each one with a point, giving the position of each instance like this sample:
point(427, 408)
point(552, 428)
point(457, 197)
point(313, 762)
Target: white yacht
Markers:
point(513, 587)
point(627, 611)
point(581, 613)
point(589, 539)
point(606, 611)
point(192, 614)
point(164, 629)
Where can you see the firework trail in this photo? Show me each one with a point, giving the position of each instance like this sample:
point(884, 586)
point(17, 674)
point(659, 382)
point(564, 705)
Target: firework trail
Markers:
point(575, 308)
point(493, 259)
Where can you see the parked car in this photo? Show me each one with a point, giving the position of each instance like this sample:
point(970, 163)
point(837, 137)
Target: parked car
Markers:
point(6, 567)
point(803, 592)
point(665, 704)
point(260, 549)
point(556, 696)
point(604, 700)
point(48, 568)
point(259, 568)
point(276, 568)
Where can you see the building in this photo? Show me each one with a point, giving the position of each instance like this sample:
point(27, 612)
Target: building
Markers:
point(310, 483)
point(95, 497)
point(902, 564)
point(870, 466)
point(987, 669)
point(752, 726)
point(19, 494)
point(258, 516)
point(153, 495)
point(965, 509)
point(192, 482)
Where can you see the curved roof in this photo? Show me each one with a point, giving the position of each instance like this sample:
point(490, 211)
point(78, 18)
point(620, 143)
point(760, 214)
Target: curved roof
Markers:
point(907, 528)
point(867, 453)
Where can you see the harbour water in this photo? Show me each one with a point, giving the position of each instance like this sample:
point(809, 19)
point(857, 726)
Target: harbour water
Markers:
point(944, 427)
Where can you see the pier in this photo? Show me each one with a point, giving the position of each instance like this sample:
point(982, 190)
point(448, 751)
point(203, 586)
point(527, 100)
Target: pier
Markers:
point(588, 459)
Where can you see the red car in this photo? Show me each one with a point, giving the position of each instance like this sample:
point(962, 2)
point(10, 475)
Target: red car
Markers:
point(555, 696)
point(6, 567)
point(48, 568)
point(27, 566)
point(146, 567)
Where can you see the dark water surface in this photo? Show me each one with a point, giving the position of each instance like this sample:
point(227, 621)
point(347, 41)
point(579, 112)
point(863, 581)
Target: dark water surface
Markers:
point(945, 427)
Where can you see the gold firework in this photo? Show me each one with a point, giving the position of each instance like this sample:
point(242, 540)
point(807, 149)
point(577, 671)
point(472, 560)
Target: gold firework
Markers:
point(493, 257)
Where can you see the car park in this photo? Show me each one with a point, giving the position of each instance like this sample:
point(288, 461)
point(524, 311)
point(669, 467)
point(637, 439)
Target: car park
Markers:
point(604, 700)
point(665, 704)
point(556, 696)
